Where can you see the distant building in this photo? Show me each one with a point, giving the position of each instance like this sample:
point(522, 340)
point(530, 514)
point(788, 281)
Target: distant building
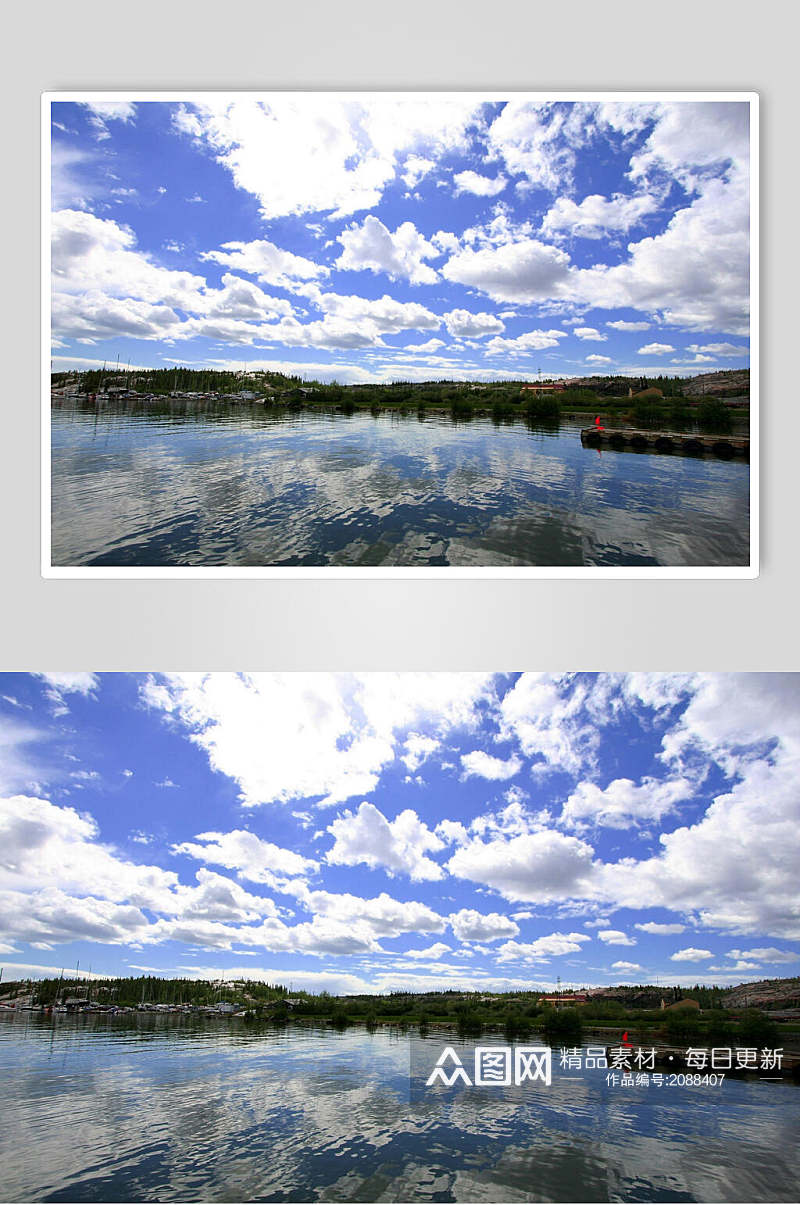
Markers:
point(565, 1001)
point(555, 387)
point(226, 1008)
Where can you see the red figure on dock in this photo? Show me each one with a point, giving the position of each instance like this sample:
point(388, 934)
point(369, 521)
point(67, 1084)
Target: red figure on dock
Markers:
point(597, 423)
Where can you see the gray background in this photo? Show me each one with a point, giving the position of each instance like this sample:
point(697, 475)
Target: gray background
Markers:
point(361, 624)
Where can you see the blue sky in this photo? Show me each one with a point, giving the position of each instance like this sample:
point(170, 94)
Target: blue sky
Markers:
point(385, 238)
point(368, 832)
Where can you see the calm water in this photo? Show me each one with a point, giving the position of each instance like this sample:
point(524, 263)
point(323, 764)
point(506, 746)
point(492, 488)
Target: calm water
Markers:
point(246, 486)
point(98, 1110)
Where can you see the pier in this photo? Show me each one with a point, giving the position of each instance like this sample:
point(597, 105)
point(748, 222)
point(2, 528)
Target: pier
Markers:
point(666, 441)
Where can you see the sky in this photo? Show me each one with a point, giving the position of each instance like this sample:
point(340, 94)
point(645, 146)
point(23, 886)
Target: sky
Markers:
point(401, 831)
point(401, 238)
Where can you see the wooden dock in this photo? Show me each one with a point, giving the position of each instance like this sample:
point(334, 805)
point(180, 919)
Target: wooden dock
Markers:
point(666, 441)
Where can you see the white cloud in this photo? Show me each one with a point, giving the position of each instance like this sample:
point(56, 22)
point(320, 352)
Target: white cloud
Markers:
point(65, 683)
point(655, 349)
point(418, 749)
point(660, 930)
point(481, 186)
point(626, 966)
point(719, 349)
point(382, 915)
point(384, 314)
point(690, 136)
point(478, 764)
point(696, 273)
point(256, 860)
point(469, 925)
point(415, 168)
point(690, 954)
point(400, 255)
point(269, 263)
point(542, 949)
point(103, 111)
point(437, 950)
point(523, 271)
point(350, 150)
point(539, 867)
point(615, 937)
point(767, 954)
point(284, 737)
point(545, 714)
point(596, 215)
point(400, 846)
point(589, 333)
point(622, 325)
point(537, 141)
point(531, 341)
point(463, 324)
point(622, 803)
point(599, 360)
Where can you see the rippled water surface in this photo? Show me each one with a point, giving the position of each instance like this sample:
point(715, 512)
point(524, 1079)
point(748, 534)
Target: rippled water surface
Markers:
point(166, 1109)
point(248, 487)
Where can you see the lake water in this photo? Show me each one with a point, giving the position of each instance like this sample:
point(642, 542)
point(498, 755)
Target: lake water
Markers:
point(248, 487)
point(167, 1109)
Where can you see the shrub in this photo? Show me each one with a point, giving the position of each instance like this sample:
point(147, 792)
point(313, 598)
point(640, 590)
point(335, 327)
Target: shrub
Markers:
point(756, 1029)
point(545, 406)
point(714, 415)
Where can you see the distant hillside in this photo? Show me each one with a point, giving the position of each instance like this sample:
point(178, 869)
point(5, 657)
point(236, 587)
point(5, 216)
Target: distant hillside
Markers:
point(731, 383)
point(766, 993)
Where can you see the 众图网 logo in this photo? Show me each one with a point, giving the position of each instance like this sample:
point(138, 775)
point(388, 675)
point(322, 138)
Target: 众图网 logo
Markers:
point(493, 1066)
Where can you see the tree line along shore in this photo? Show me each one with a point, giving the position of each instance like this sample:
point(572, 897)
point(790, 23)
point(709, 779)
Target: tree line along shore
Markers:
point(750, 1014)
point(711, 402)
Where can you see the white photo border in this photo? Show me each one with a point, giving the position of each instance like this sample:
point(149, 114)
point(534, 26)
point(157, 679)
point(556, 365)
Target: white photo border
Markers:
point(380, 573)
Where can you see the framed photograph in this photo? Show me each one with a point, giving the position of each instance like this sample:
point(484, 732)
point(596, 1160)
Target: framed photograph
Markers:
point(387, 334)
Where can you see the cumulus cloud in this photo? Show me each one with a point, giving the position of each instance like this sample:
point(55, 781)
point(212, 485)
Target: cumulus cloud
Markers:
point(400, 846)
point(596, 215)
point(399, 255)
point(351, 151)
point(622, 803)
point(481, 186)
point(615, 937)
point(463, 324)
point(654, 349)
point(768, 954)
point(690, 954)
point(546, 715)
point(523, 271)
point(542, 949)
point(537, 141)
point(539, 867)
point(257, 860)
point(284, 737)
point(531, 341)
point(268, 263)
point(469, 925)
point(478, 764)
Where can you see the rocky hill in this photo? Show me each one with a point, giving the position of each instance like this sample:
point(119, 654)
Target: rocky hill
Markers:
point(731, 383)
point(766, 993)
